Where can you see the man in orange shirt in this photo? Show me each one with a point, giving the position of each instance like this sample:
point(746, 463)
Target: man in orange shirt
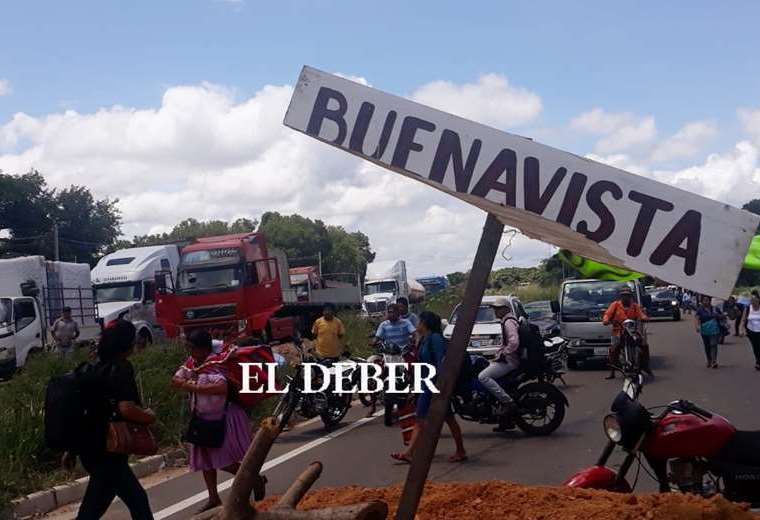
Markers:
point(620, 310)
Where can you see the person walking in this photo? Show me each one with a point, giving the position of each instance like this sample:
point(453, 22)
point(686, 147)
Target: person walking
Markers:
point(735, 313)
point(751, 325)
point(707, 326)
point(432, 350)
point(328, 332)
point(65, 332)
point(110, 474)
point(219, 431)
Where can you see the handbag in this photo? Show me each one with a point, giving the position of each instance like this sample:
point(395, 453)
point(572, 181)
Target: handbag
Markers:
point(206, 433)
point(126, 438)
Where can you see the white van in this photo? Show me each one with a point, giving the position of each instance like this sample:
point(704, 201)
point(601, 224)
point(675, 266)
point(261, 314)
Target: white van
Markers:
point(124, 283)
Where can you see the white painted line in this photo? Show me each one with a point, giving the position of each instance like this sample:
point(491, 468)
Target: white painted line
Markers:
point(203, 495)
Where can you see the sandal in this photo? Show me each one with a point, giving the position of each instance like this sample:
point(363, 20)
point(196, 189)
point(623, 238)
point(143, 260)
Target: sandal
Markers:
point(401, 457)
point(457, 458)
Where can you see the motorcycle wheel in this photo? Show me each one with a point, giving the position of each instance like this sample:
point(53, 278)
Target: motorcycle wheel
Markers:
point(541, 409)
point(367, 399)
point(336, 412)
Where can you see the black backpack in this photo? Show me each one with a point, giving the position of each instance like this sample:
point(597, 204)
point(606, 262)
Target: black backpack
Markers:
point(77, 410)
point(531, 346)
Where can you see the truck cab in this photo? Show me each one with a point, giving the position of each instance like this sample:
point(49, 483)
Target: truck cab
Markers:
point(22, 331)
point(380, 294)
point(124, 283)
point(580, 309)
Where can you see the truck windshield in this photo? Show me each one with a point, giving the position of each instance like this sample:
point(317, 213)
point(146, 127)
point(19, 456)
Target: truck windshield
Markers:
point(381, 287)
point(6, 308)
point(539, 310)
point(209, 279)
point(485, 315)
point(581, 299)
point(118, 292)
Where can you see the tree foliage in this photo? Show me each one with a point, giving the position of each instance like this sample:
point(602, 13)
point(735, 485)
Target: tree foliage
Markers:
point(29, 209)
point(303, 240)
point(190, 229)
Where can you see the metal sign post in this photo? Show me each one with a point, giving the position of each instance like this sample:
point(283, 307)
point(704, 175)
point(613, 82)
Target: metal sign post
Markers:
point(428, 440)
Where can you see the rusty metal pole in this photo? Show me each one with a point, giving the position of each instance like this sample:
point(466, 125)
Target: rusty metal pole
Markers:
point(428, 440)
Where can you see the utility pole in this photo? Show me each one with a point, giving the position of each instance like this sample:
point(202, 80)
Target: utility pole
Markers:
point(56, 249)
point(320, 264)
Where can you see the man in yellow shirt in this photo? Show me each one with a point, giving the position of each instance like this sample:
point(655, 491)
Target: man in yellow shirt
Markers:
point(329, 332)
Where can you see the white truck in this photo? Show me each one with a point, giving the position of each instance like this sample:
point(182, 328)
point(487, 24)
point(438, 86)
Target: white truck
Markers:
point(33, 292)
point(381, 291)
point(124, 283)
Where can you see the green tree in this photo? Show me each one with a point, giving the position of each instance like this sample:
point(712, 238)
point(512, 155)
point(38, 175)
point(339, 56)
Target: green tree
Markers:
point(457, 278)
point(28, 210)
point(190, 229)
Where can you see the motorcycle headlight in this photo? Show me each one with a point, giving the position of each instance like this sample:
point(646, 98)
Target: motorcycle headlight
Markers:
point(612, 428)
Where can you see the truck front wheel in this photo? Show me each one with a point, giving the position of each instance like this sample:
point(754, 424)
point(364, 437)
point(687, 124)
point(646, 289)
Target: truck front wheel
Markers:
point(144, 338)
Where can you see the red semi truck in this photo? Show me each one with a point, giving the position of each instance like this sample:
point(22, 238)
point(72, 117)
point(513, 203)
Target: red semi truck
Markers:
point(234, 286)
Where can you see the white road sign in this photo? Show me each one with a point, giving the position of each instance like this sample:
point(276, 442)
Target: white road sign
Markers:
point(592, 209)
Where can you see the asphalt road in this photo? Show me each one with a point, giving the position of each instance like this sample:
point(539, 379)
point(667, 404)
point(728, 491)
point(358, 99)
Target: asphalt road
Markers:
point(358, 452)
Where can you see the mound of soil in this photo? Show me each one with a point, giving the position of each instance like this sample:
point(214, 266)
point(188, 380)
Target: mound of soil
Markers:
point(494, 500)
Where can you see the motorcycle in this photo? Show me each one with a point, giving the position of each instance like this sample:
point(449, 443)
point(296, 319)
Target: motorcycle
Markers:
point(540, 405)
point(706, 454)
point(331, 406)
point(388, 352)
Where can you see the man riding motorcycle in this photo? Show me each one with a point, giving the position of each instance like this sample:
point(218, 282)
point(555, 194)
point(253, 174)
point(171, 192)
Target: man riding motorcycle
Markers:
point(508, 358)
point(624, 308)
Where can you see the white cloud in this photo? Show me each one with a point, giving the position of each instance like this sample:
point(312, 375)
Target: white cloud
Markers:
point(5, 87)
point(619, 131)
point(686, 142)
point(204, 153)
point(751, 121)
point(492, 100)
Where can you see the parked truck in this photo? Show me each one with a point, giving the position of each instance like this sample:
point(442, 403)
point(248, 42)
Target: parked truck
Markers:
point(341, 289)
point(233, 285)
point(124, 283)
point(580, 309)
point(381, 291)
point(33, 293)
point(434, 284)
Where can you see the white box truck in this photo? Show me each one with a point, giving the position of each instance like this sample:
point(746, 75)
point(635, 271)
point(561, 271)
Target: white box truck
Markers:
point(33, 292)
point(125, 286)
point(381, 291)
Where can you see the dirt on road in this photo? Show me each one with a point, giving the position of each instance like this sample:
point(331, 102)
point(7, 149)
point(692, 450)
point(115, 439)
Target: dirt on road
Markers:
point(506, 501)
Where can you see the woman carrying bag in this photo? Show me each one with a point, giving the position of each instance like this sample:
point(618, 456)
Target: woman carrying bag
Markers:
point(107, 461)
point(219, 430)
point(709, 329)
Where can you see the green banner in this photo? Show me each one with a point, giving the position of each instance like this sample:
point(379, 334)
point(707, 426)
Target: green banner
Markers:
point(752, 260)
point(597, 270)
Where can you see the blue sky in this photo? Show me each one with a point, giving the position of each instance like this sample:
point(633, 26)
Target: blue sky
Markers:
point(673, 62)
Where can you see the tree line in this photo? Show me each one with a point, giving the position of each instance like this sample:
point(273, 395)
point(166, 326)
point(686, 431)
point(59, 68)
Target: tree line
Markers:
point(88, 228)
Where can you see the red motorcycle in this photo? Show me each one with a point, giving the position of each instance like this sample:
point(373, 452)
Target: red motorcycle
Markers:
point(705, 453)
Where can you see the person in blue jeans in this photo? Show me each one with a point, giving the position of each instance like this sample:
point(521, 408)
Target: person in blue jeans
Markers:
point(706, 322)
point(432, 351)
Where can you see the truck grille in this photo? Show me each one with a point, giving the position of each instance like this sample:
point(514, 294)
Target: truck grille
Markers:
point(375, 307)
point(208, 313)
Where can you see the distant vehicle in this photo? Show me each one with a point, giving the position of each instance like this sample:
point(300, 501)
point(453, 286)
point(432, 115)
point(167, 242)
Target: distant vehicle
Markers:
point(486, 338)
point(664, 304)
point(381, 291)
point(581, 306)
point(342, 289)
point(541, 315)
point(33, 293)
point(434, 284)
point(125, 286)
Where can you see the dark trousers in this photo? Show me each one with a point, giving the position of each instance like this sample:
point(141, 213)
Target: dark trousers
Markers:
point(754, 339)
point(711, 348)
point(737, 324)
point(111, 476)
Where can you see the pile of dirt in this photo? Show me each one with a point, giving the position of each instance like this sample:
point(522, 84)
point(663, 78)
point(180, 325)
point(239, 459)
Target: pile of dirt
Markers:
point(506, 501)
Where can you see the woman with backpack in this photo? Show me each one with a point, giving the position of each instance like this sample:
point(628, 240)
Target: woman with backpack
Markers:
point(219, 430)
point(110, 474)
point(708, 327)
point(432, 350)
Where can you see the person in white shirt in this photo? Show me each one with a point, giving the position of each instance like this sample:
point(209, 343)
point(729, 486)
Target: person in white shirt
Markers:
point(752, 326)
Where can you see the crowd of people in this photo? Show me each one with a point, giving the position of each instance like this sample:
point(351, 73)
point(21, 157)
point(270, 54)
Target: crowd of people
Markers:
point(219, 430)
